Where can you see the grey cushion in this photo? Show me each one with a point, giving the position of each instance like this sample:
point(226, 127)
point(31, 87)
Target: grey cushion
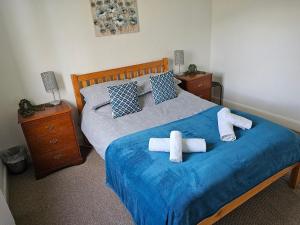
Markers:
point(97, 95)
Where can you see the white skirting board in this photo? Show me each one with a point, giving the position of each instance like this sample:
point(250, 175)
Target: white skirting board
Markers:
point(284, 121)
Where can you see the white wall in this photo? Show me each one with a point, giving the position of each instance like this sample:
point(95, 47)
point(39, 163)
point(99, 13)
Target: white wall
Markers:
point(10, 94)
point(5, 214)
point(59, 35)
point(256, 51)
point(10, 134)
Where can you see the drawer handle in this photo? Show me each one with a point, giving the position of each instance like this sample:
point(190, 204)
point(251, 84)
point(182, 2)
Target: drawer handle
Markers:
point(58, 156)
point(50, 127)
point(53, 141)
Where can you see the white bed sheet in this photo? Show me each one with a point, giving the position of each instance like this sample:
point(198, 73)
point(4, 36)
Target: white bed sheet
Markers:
point(101, 129)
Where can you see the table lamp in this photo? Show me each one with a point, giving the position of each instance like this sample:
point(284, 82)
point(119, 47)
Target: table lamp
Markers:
point(50, 85)
point(179, 59)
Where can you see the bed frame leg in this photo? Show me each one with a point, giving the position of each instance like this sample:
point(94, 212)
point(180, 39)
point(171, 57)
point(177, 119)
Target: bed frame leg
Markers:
point(295, 177)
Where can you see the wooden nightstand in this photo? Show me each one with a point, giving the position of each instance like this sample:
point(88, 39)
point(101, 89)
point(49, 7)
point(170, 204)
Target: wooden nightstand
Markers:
point(51, 138)
point(199, 84)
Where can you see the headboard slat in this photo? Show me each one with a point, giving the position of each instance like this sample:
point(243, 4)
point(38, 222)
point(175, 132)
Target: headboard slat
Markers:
point(84, 83)
point(159, 69)
point(122, 76)
point(127, 72)
point(128, 75)
point(135, 74)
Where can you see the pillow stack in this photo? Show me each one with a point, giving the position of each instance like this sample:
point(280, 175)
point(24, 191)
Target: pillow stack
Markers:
point(123, 95)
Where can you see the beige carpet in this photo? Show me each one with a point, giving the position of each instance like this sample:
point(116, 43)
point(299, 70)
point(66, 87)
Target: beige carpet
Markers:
point(78, 196)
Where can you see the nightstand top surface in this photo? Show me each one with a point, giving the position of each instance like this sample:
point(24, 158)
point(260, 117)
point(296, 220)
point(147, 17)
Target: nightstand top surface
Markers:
point(63, 107)
point(190, 77)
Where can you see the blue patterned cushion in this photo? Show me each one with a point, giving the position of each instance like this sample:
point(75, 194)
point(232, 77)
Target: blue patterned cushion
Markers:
point(124, 99)
point(163, 87)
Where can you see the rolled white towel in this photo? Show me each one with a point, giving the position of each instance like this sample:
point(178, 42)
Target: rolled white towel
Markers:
point(238, 121)
point(189, 145)
point(159, 144)
point(176, 146)
point(225, 127)
point(193, 145)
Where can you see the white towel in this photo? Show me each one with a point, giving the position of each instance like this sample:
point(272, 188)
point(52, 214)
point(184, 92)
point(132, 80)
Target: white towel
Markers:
point(176, 146)
point(225, 127)
point(237, 121)
point(189, 145)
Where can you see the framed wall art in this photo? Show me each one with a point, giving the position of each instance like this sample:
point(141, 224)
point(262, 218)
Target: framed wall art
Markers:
point(112, 17)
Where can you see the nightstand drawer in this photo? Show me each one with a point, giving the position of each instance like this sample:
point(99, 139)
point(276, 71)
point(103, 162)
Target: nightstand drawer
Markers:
point(55, 160)
point(51, 142)
point(205, 94)
point(53, 125)
point(201, 83)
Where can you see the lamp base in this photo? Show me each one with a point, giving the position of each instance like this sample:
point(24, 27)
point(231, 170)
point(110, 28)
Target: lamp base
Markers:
point(55, 102)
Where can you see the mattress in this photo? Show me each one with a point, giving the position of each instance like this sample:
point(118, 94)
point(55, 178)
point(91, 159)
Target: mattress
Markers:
point(101, 129)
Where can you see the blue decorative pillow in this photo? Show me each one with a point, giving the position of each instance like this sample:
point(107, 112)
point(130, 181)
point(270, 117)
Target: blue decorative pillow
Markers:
point(163, 87)
point(124, 99)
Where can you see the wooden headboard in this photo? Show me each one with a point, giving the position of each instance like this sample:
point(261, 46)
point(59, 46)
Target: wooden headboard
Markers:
point(127, 72)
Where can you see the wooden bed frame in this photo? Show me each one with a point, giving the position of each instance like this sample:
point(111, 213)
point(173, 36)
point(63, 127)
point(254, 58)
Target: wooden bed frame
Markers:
point(84, 80)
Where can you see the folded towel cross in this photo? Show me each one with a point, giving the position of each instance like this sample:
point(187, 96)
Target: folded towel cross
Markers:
point(189, 145)
point(226, 121)
point(176, 145)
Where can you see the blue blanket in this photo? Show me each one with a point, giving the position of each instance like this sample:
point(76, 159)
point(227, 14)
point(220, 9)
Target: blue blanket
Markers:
point(159, 192)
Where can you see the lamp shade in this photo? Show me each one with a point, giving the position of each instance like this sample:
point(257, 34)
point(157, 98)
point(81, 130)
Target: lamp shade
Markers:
point(179, 57)
point(49, 81)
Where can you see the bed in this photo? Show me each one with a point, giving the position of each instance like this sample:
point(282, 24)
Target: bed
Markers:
point(132, 171)
point(94, 122)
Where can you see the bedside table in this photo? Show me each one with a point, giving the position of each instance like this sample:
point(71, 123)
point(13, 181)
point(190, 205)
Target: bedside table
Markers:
point(51, 138)
point(199, 84)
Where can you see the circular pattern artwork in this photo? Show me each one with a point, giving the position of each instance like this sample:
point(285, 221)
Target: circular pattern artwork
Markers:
point(114, 16)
